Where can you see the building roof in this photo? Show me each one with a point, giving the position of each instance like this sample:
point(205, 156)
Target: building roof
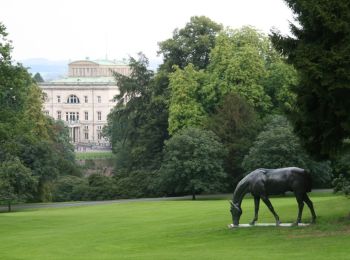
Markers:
point(103, 62)
point(85, 80)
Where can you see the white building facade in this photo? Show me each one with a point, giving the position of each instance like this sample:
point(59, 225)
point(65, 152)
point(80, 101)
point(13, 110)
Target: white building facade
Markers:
point(84, 99)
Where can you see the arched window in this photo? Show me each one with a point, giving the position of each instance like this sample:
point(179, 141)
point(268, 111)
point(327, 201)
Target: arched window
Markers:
point(73, 99)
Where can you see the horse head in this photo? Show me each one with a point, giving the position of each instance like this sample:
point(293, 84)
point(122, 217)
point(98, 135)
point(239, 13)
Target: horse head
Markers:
point(236, 213)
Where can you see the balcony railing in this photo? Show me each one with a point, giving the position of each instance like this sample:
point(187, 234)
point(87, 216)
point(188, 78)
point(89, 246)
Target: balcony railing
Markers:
point(72, 122)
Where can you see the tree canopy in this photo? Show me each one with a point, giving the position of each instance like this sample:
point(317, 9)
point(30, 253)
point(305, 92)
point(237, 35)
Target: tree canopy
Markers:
point(193, 163)
point(191, 44)
point(320, 51)
point(277, 147)
point(29, 141)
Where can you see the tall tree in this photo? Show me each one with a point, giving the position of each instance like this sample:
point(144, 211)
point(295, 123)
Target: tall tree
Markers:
point(185, 107)
point(191, 44)
point(137, 128)
point(236, 124)
point(238, 65)
point(38, 78)
point(320, 51)
point(25, 133)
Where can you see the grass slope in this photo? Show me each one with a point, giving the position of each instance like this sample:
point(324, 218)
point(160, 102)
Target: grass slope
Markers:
point(175, 230)
point(93, 155)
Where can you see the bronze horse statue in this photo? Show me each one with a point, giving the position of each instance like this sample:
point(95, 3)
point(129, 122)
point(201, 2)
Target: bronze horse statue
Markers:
point(264, 182)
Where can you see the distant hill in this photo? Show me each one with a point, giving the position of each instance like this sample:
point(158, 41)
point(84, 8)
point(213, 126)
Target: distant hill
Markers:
point(48, 69)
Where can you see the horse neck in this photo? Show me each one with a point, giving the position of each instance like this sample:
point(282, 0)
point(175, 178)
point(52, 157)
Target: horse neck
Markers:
point(241, 190)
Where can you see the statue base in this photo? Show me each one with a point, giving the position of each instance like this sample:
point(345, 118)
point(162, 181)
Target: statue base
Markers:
point(269, 225)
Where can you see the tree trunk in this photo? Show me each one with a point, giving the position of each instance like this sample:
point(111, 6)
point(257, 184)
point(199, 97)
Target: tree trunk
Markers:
point(193, 195)
point(9, 206)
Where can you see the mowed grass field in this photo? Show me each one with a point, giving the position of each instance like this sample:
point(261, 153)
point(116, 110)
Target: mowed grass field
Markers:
point(175, 230)
point(93, 155)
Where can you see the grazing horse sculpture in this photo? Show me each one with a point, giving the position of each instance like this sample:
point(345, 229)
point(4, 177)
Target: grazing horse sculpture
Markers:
point(264, 182)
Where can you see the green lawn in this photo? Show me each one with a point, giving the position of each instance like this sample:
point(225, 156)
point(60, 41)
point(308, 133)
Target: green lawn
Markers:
point(175, 230)
point(93, 155)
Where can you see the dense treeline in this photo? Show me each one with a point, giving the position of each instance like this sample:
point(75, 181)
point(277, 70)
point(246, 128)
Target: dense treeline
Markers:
point(319, 49)
point(222, 103)
point(213, 111)
point(34, 149)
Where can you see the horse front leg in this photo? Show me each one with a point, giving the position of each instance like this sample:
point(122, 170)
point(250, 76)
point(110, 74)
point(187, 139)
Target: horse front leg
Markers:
point(256, 204)
point(270, 207)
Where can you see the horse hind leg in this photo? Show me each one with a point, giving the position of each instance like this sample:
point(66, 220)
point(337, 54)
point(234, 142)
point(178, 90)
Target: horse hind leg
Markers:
point(311, 207)
point(300, 207)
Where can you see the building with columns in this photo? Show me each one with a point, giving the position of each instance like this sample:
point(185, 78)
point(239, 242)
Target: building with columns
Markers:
point(84, 98)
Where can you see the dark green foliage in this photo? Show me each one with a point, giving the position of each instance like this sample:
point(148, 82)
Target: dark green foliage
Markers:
point(320, 51)
point(101, 187)
point(341, 181)
point(193, 163)
point(37, 78)
point(342, 184)
point(236, 124)
point(70, 188)
point(277, 147)
point(94, 187)
point(137, 128)
point(191, 44)
point(191, 89)
point(40, 144)
point(17, 183)
point(137, 184)
point(281, 78)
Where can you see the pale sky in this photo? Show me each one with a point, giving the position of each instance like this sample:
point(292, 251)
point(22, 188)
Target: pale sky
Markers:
point(75, 29)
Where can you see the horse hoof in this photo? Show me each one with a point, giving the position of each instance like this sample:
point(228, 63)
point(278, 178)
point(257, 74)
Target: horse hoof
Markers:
point(252, 223)
point(278, 223)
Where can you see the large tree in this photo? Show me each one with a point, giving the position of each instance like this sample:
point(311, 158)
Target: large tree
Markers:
point(137, 128)
point(236, 124)
point(191, 44)
point(193, 163)
point(320, 51)
point(26, 133)
point(16, 182)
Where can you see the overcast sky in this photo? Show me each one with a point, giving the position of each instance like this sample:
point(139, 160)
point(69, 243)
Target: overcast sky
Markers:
point(75, 29)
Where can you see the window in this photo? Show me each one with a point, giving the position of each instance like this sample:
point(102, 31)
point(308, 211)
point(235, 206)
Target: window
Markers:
point(99, 116)
point(86, 128)
point(99, 134)
point(46, 112)
point(98, 99)
point(73, 99)
point(59, 115)
point(72, 116)
point(86, 115)
point(86, 134)
point(86, 99)
point(58, 99)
